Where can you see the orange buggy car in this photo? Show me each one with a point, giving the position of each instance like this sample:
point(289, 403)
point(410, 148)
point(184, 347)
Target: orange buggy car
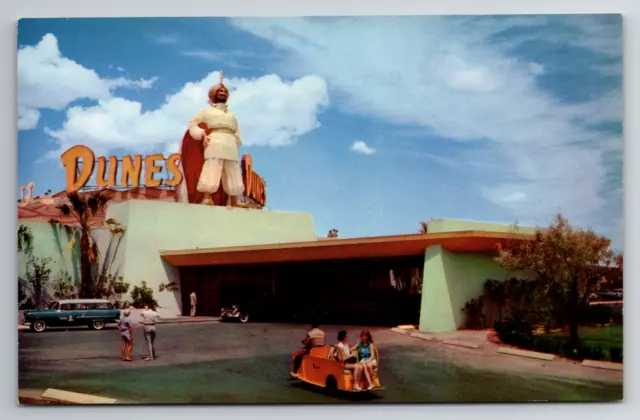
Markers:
point(322, 367)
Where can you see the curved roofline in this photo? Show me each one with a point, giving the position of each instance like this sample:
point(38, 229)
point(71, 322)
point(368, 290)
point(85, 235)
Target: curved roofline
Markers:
point(349, 248)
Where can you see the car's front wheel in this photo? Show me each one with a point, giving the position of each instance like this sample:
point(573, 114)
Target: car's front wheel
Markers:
point(96, 325)
point(39, 326)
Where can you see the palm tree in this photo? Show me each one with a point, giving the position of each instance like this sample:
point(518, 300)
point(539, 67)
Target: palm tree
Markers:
point(424, 227)
point(25, 238)
point(101, 286)
point(83, 208)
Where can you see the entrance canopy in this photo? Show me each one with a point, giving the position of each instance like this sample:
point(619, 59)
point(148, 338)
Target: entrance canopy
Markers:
point(336, 249)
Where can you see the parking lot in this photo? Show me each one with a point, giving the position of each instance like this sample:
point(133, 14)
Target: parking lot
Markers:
point(249, 363)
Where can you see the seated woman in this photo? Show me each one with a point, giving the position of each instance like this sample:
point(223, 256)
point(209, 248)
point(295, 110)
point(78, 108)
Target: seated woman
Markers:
point(345, 354)
point(366, 360)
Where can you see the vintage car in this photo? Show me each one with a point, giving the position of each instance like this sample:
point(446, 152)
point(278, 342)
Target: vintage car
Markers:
point(93, 313)
point(322, 367)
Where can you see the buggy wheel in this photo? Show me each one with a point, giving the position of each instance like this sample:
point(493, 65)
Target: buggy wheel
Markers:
point(331, 385)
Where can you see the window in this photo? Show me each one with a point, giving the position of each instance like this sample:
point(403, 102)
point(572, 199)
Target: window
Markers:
point(101, 305)
point(54, 306)
point(82, 306)
point(67, 307)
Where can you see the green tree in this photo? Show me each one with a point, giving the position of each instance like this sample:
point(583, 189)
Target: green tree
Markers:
point(36, 280)
point(143, 296)
point(118, 287)
point(567, 261)
point(63, 287)
point(25, 238)
point(112, 288)
point(86, 208)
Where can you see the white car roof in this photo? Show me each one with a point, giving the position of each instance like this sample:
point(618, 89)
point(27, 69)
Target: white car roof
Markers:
point(83, 301)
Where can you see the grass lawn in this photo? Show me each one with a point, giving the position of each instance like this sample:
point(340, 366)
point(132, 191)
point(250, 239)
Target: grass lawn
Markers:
point(605, 337)
point(600, 343)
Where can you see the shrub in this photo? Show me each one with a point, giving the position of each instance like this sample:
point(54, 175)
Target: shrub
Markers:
point(474, 313)
point(142, 296)
point(515, 332)
point(545, 344)
point(593, 353)
point(616, 354)
point(599, 314)
point(569, 350)
point(617, 318)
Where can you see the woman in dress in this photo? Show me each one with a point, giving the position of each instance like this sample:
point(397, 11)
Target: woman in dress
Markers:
point(366, 360)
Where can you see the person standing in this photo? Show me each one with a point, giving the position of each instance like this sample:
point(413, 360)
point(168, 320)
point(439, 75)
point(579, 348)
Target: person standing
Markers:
point(149, 319)
point(194, 302)
point(125, 326)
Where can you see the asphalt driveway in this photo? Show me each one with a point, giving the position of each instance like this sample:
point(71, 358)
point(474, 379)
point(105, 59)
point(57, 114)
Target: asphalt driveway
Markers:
point(249, 363)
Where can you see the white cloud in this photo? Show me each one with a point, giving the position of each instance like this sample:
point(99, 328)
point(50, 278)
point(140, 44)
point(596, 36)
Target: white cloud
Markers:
point(218, 55)
point(27, 118)
point(536, 69)
point(205, 55)
point(122, 82)
point(444, 75)
point(598, 34)
point(271, 112)
point(46, 79)
point(361, 147)
point(166, 39)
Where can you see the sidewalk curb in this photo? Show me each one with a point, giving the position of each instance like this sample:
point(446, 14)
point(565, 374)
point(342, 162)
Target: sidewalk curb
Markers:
point(462, 344)
point(421, 336)
point(597, 364)
point(412, 332)
point(75, 397)
point(526, 353)
point(189, 321)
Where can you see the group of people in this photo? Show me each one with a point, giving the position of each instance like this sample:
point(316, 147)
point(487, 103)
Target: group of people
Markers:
point(149, 319)
point(361, 358)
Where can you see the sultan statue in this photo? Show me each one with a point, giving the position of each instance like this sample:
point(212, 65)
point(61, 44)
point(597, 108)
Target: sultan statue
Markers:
point(210, 155)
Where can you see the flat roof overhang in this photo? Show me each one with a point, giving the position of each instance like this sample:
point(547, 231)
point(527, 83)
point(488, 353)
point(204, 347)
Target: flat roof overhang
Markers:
point(338, 249)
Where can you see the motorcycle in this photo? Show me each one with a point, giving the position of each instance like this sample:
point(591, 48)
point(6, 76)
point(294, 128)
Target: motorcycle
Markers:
point(234, 314)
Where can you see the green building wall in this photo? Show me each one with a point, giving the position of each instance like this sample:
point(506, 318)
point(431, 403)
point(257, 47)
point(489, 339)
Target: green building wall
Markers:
point(452, 225)
point(155, 226)
point(450, 279)
point(51, 241)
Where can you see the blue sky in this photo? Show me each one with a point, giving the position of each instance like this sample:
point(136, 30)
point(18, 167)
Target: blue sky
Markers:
point(371, 124)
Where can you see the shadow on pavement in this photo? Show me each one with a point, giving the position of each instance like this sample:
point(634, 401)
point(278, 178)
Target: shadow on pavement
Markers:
point(340, 395)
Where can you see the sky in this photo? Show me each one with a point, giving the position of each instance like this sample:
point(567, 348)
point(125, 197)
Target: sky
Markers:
point(371, 124)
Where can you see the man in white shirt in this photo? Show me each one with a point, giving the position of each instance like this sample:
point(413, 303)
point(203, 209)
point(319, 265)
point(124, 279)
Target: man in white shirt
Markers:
point(194, 302)
point(149, 319)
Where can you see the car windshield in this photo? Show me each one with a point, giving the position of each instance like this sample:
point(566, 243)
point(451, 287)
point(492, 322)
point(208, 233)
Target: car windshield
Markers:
point(54, 305)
